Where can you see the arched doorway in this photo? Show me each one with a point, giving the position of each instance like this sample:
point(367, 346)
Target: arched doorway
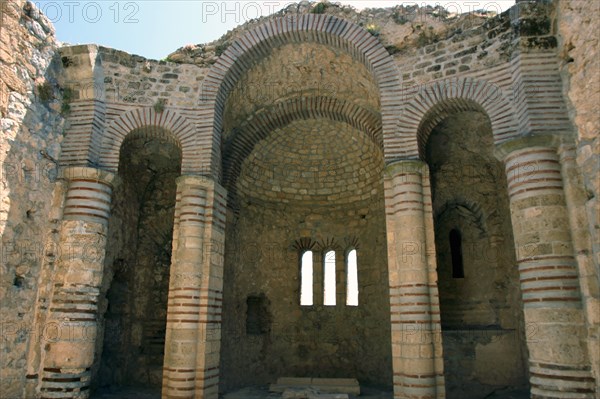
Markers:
point(138, 260)
point(480, 303)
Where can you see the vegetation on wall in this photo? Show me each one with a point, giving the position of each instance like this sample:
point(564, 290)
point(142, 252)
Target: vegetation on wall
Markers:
point(373, 29)
point(159, 105)
point(45, 92)
point(67, 98)
point(320, 8)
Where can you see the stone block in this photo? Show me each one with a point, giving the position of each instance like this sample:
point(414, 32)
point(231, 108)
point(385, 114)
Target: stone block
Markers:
point(9, 77)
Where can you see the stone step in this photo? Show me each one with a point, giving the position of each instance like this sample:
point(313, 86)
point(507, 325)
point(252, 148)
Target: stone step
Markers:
point(324, 385)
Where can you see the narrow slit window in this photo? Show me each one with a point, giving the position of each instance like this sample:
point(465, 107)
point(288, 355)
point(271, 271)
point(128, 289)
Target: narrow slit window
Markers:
point(255, 315)
point(306, 278)
point(329, 267)
point(458, 270)
point(352, 279)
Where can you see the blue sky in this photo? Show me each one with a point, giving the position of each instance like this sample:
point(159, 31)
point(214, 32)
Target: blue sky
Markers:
point(155, 28)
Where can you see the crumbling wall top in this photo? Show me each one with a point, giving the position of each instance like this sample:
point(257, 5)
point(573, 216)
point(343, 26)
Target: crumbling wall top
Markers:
point(398, 27)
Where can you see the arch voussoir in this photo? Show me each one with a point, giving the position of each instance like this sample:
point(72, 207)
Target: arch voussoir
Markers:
point(324, 29)
point(434, 102)
point(182, 130)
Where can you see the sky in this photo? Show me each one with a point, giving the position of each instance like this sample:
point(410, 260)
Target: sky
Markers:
point(156, 28)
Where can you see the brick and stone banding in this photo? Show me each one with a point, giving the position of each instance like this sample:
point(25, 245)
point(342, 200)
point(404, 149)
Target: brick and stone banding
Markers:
point(195, 292)
point(69, 355)
point(433, 103)
point(518, 69)
point(415, 316)
point(154, 124)
point(558, 359)
point(88, 199)
point(325, 29)
point(244, 138)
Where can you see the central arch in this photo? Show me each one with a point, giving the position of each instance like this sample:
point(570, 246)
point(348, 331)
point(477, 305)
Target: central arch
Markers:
point(269, 154)
point(316, 28)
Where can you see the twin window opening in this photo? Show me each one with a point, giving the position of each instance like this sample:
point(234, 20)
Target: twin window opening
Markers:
point(329, 273)
point(329, 279)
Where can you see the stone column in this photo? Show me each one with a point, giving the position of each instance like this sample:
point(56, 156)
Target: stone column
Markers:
point(558, 362)
point(193, 334)
point(70, 331)
point(414, 301)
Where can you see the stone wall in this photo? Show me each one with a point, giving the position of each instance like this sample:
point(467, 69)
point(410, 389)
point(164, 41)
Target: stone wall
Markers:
point(577, 24)
point(32, 129)
point(95, 96)
point(326, 178)
point(137, 80)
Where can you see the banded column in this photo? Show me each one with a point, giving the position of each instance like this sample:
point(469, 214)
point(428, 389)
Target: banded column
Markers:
point(414, 301)
point(70, 332)
point(558, 361)
point(193, 334)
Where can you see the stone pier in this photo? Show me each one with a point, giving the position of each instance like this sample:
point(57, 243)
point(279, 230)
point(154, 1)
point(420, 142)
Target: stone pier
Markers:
point(192, 342)
point(72, 321)
point(414, 302)
point(558, 359)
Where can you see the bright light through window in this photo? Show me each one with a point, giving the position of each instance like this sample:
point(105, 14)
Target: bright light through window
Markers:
point(306, 276)
point(352, 288)
point(329, 296)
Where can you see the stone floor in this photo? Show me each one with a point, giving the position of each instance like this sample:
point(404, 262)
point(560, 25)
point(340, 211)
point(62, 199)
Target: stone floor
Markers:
point(126, 393)
point(263, 393)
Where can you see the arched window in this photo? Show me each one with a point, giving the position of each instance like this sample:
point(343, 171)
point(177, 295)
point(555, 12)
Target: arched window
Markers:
point(329, 274)
point(306, 278)
point(458, 270)
point(352, 278)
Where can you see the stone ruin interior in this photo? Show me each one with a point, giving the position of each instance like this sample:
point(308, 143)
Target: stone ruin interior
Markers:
point(323, 203)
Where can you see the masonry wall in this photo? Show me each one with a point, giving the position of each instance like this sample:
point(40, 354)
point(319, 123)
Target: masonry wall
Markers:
point(313, 341)
point(83, 91)
point(576, 24)
point(329, 198)
point(30, 194)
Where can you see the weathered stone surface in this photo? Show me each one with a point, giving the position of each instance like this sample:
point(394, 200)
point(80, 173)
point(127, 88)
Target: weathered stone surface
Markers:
point(30, 139)
point(11, 80)
point(579, 50)
point(299, 138)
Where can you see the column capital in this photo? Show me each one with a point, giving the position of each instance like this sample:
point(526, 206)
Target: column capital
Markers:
point(411, 166)
point(202, 181)
point(196, 180)
point(504, 149)
point(86, 173)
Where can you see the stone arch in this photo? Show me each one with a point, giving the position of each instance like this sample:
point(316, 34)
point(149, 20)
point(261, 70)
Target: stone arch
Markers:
point(436, 101)
point(154, 123)
point(319, 28)
point(474, 213)
point(236, 149)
